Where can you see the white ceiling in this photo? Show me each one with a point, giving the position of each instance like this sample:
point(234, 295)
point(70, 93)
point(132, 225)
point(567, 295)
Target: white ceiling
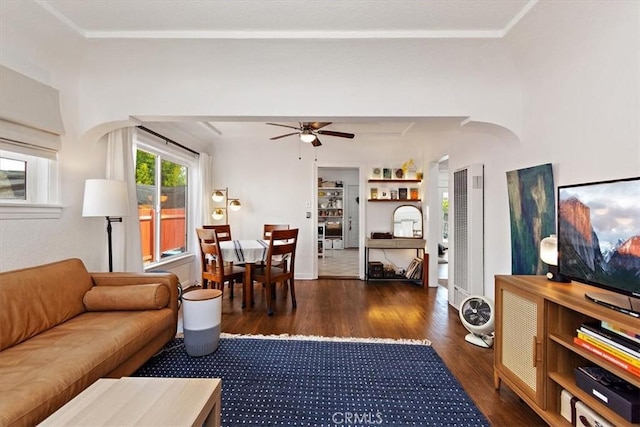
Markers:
point(291, 19)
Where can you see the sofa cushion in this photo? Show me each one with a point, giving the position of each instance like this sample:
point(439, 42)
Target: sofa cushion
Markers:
point(135, 297)
point(46, 371)
point(36, 299)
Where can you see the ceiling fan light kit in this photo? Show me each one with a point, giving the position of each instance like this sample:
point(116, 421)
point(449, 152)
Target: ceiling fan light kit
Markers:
point(307, 136)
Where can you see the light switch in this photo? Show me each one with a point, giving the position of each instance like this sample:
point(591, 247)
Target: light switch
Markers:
point(308, 214)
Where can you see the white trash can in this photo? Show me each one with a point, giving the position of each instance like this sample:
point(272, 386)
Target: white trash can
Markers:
point(202, 316)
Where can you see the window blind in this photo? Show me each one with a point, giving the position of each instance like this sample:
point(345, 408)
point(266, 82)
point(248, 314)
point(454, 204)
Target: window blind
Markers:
point(30, 119)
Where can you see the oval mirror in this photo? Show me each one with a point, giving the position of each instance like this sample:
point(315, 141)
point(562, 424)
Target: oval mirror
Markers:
point(407, 222)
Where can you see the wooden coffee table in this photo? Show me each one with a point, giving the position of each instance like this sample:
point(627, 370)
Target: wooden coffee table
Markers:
point(137, 401)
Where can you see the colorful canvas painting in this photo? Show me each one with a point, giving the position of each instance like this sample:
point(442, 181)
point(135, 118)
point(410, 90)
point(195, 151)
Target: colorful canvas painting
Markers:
point(533, 216)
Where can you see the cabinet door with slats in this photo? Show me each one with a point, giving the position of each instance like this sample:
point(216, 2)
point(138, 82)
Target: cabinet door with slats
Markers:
point(519, 343)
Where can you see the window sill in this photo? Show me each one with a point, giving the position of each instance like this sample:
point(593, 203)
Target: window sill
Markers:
point(171, 262)
point(29, 211)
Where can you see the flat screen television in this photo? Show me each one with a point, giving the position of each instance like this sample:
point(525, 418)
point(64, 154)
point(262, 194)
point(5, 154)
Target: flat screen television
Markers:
point(599, 240)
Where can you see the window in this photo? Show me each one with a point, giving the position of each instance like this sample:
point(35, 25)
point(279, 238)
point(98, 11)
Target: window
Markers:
point(30, 129)
point(162, 189)
point(13, 179)
point(27, 178)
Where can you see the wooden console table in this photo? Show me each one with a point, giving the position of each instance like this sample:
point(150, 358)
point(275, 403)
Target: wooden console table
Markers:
point(398, 243)
point(535, 354)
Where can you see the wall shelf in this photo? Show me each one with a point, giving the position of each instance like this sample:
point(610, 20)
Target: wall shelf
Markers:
point(394, 190)
point(397, 181)
point(395, 200)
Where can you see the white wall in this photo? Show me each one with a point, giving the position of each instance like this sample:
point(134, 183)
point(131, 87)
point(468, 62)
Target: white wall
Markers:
point(249, 78)
point(564, 80)
point(578, 63)
point(43, 49)
point(278, 190)
point(253, 78)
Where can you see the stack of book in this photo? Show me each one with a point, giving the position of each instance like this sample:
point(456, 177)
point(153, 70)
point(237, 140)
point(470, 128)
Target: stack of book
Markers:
point(620, 347)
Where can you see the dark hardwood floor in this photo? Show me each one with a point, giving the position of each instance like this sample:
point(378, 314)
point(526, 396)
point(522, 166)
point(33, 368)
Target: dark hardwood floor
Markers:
point(351, 308)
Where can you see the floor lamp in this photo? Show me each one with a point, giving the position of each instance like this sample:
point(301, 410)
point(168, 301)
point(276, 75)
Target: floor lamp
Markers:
point(107, 198)
point(220, 195)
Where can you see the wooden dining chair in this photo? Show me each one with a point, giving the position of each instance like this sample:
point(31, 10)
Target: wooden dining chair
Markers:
point(268, 228)
point(214, 268)
point(266, 235)
point(282, 247)
point(224, 231)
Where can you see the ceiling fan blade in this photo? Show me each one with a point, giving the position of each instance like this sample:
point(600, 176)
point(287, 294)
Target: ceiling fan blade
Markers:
point(316, 142)
point(334, 133)
point(284, 126)
point(316, 125)
point(282, 136)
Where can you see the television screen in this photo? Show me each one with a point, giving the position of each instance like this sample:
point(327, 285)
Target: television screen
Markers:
point(599, 234)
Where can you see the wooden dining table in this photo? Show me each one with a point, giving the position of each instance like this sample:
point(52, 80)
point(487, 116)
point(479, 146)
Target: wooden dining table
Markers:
point(249, 253)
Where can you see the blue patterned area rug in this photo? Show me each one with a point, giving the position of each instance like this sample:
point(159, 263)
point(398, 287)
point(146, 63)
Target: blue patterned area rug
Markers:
point(314, 381)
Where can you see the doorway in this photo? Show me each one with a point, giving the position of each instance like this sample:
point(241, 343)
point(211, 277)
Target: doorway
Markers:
point(338, 215)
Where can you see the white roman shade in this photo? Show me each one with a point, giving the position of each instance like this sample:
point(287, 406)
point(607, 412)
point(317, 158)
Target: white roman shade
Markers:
point(30, 119)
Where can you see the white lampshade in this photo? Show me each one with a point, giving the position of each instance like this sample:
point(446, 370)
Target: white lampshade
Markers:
point(235, 205)
point(549, 250)
point(307, 136)
point(217, 213)
point(217, 196)
point(105, 197)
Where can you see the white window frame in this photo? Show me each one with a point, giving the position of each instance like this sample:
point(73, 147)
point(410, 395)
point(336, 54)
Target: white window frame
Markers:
point(160, 148)
point(42, 186)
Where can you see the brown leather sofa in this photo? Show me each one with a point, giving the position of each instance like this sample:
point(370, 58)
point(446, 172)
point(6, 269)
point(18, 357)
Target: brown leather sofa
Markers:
point(62, 328)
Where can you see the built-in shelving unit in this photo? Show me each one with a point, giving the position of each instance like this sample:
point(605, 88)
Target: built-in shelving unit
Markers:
point(331, 216)
point(321, 236)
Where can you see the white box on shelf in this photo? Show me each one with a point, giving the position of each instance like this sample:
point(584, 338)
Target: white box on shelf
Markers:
point(587, 417)
point(337, 244)
point(567, 405)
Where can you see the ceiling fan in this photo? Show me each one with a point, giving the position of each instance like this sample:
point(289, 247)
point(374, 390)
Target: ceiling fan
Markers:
point(309, 131)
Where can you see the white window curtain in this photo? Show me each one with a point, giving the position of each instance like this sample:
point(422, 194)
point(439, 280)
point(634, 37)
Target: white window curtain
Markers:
point(206, 188)
point(202, 208)
point(127, 247)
